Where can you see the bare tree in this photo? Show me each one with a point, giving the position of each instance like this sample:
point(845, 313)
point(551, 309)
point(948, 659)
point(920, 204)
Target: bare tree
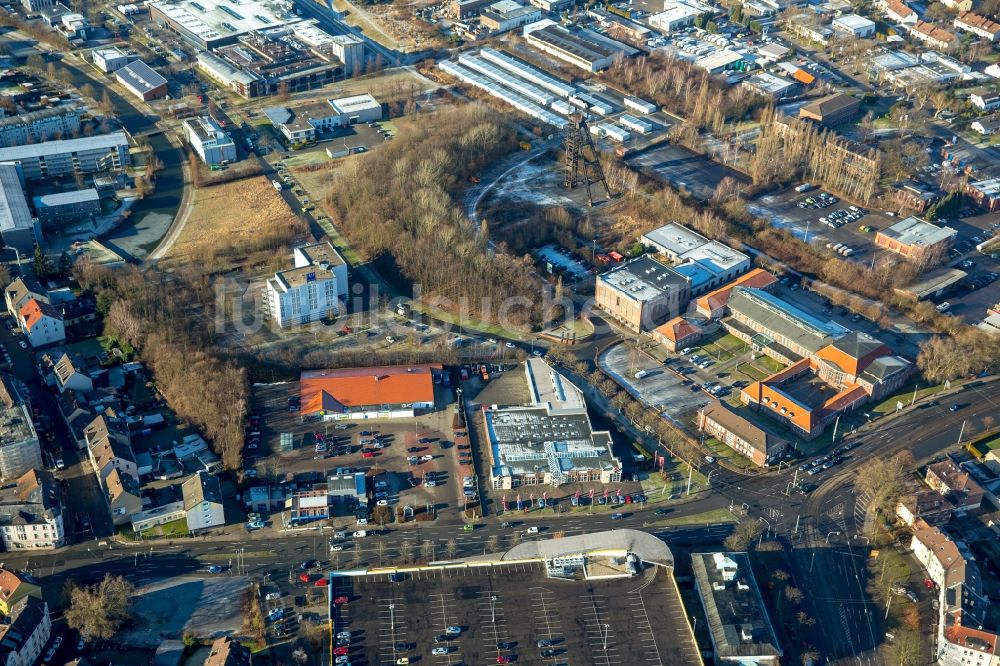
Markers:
point(99, 611)
point(427, 550)
point(451, 548)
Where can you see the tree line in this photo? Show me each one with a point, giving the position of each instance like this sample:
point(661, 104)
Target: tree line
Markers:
point(680, 87)
point(167, 320)
point(399, 204)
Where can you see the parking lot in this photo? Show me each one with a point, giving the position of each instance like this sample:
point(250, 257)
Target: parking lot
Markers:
point(510, 614)
point(409, 451)
point(661, 387)
point(812, 221)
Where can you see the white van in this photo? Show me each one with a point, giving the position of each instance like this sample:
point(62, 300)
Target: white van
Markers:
point(641, 374)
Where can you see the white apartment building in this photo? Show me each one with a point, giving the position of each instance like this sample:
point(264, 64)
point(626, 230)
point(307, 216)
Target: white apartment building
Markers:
point(211, 143)
point(38, 126)
point(203, 502)
point(309, 291)
point(41, 324)
point(25, 629)
point(31, 513)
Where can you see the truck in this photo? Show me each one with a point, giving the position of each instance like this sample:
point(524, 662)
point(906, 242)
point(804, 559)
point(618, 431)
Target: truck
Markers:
point(278, 185)
point(804, 187)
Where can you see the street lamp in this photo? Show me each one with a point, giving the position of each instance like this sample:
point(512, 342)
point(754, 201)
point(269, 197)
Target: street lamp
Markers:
point(830, 534)
point(607, 629)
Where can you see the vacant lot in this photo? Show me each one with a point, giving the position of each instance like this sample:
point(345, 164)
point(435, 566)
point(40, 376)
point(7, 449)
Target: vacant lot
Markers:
point(234, 220)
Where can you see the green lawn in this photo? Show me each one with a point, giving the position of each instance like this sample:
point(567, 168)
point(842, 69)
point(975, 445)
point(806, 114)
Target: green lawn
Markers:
point(986, 444)
point(174, 528)
point(713, 350)
point(731, 343)
point(769, 364)
point(888, 406)
point(705, 518)
point(751, 371)
point(897, 568)
point(735, 458)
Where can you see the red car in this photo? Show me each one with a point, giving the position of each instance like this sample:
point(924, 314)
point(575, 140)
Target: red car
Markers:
point(340, 600)
point(504, 659)
point(305, 578)
point(367, 454)
point(928, 583)
point(322, 582)
point(341, 650)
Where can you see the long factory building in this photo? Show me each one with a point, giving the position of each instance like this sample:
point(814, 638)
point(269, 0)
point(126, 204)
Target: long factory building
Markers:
point(527, 88)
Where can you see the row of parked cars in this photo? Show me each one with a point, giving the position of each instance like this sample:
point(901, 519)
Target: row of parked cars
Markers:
point(821, 200)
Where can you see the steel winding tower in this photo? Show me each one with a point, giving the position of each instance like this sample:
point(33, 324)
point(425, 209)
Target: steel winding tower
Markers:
point(582, 165)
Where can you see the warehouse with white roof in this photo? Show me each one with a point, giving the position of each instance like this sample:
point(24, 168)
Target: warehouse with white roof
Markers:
point(708, 263)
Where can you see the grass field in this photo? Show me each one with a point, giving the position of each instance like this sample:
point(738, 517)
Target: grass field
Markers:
point(769, 364)
point(751, 371)
point(177, 527)
point(888, 406)
point(704, 518)
point(220, 222)
point(730, 455)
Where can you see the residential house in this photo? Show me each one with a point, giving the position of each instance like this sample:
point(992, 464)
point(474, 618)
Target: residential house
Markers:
point(20, 291)
point(962, 605)
point(110, 448)
point(124, 498)
point(933, 35)
point(227, 651)
point(978, 25)
point(31, 515)
point(677, 334)
point(41, 324)
point(956, 485)
point(741, 435)
point(986, 126)
point(203, 502)
point(70, 375)
point(985, 99)
point(854, 26)
point(24, 632)
point(19, 447)
point(897, 11)
point(958, 5)
point(13, 590)
point(926, 505)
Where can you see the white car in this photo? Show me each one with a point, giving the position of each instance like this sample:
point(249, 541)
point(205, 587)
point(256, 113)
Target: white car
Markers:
point(439, 651)
point(22, 344)
point(492, 341)
point(508, 345)
point(390, 339)
point(337, 547)
point(710, 459)
point(532, 530)
point(273, 596)
point(430, 484)
point(426, 457)
point(362, 521)
point(383, 502)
